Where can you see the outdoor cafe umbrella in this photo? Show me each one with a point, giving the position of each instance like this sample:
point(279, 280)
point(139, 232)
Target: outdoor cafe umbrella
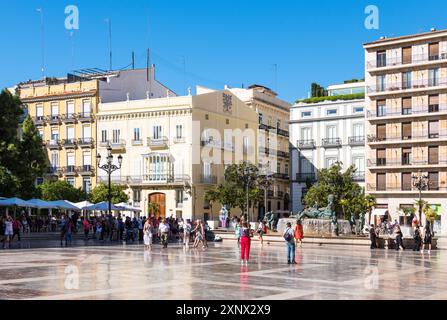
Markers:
point(127, 207)
point(64, 205)
point(40, 204)
point(82, 205)
point(103, 206)
point(15, 202)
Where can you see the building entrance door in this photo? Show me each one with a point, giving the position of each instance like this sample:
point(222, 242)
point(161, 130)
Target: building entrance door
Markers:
point(160, 199)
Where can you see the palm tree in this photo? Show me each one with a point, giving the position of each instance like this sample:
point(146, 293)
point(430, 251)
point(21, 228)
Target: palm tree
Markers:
point(421, 204)
point(153, 208)
point(369, 203)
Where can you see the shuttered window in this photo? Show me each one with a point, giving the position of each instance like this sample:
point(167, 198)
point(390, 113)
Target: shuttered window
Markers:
point(433, 178)
point(406, 181)
point(381, 108)
point(381, 157)
point(406, 131)
point(406, 156)
point(433, 155)
point(433, 129)
point(433, 50)
point(381, 132)
point(381, 181)
point(406, 105)
point(433, 103)
point(406, 55)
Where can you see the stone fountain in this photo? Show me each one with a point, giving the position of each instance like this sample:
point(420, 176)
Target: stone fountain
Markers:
point(319, 222)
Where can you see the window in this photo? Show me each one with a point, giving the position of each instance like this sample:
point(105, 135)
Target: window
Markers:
point(406, 131)
point(245, 144)
point(433, 181)
point(136, 134)
point(381, 132)
point(433, 51)
point(70, 133)
point(406, 106)
point(207, 117)
point(381, 157)
point(70, 109)
point(278, 167)
point(433, 77)
point(406, 80)
point(156, 132)
point(381, 108)
point(260, 118)
point(41, 133)
point(179, 131)
point(359, 163)
point(381, 59)
point(433, 129)
point(207, 170)
point(136, 196)
point(86, 108)
point(86, 159)
point(381, 83)
point(358, 109)
point(227, 121)
point(406, 55)
point(39, 112)
point(87, 132)
point(71, 181)
point(331, 112)
point(54, 159)
point(70, 160)
point(306, 114)
point(359, 131)
point(406, 181)
point(286, 168)
point(104, 135)
point(433, 103)
point(331, 161)
point(278, 124)
point(54, 135)
point(381, 181)
point(116, 136)
point(306, 134)
point(406, 156)
point(86, 185)
point(179, 198)
point(54, 109)
point(331, 132)
point(433, 155)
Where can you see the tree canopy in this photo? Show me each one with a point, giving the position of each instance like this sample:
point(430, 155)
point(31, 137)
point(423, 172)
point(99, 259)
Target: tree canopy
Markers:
point(60, 190)
point(101, 191)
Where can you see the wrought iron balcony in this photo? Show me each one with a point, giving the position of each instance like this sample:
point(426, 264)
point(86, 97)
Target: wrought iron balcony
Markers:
point(69, 118)
point(69, 143)
point(118, 144)
point(53, 171)
point(304, 177)
point(54, 119)
point(179, 139)
point(69, 170)
point(306, 144)
point(138, 142)
point(282, 132)
point(53, 144)
point(85, 117)
point(398, 61)
point(39, 121)
point(86, 142)
point(356, 141)
point(281, 176)
point(208, 179)
point(358, 176)
point(331, 142)
point(86, 170)
point(156, 143)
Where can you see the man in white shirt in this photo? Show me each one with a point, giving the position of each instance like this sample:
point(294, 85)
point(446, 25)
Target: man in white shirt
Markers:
point(163, 232)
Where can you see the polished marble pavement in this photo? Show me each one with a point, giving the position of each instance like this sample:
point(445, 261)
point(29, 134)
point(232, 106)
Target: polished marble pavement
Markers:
point(129, 272)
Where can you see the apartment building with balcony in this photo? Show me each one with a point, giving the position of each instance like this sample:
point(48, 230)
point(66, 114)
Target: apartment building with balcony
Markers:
point(273, 142)
point(64, 111)
point(325, 132)
point(176, 148)
point(406, 80)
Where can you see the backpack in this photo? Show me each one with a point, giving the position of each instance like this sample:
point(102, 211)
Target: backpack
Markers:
point(288, 235)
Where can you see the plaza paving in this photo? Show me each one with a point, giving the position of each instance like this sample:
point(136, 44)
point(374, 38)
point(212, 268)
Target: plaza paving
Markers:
point(129, 272)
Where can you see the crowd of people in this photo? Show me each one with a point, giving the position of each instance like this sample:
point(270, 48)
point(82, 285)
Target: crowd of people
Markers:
point(422, 236)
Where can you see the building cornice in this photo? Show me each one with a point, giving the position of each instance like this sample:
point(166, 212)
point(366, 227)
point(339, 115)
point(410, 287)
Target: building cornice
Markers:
point(352, 116)
point(143, 114)
point(62, 96)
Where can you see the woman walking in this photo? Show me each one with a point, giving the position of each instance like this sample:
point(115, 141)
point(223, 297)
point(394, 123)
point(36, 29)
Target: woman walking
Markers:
point(68, 232)
point(428, 237)
point(148, 231)
point(299, 234)
point(198, 231)
point(245, 239)
point(398, 235)
point(187, 232)
point(417, 239)
point(261, 231)
point(8, 232)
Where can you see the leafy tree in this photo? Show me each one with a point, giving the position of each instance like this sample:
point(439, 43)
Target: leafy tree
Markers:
point(349, 196)
point(32, 160)
point(317, 90)
point(430, 214)
point(153, 208)
point(9, 184)
point(232, 192)
point(60, 190)
point(101, 192)
point(369, 202)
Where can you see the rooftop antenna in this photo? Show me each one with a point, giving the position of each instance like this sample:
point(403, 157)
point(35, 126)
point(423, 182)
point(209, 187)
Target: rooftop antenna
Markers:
point(133, 60)
point(42, 40)
point(109, 21)
point(275, 66)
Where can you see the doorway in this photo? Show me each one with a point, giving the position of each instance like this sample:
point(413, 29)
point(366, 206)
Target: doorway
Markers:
point(160, 199)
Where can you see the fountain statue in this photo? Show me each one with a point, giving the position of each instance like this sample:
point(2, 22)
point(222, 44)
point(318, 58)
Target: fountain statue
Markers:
point(223, 215)
point(315, 213)
point(270, 220)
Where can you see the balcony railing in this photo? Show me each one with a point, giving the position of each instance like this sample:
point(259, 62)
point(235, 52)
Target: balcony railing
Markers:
point(118, 144)
point(53, 144)
point(179, 139)
point(304, 177)
point(69, 143)
point(356, 141)
point(407, 85)
point(358, 176)
point(69, 170)
point(69, 118)
point(148, 179)
point(86, 142)
point(388, 111)
point(161, 142)
point(306, 144)
point(208, 179)
point(39, 121)
point(85, 116)
point(398, 61)
point(413, 137)
point(396, 188)
point(86, 170)
point(281, 176)
point(404, 162)
point(56, 119)
point(331, 142)
point(54, 171)
point(138, 142)
point(282, 132)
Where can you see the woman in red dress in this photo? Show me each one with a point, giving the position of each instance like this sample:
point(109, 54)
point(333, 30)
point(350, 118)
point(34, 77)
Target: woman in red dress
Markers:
point(299, 234)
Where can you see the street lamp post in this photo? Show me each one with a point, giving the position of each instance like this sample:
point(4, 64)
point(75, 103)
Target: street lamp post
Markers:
point(109, 168)
point(421, 182)
point(247, 174)
point(266, 182)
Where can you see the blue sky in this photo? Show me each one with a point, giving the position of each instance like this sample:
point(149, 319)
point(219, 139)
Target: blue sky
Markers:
point(230, 42)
